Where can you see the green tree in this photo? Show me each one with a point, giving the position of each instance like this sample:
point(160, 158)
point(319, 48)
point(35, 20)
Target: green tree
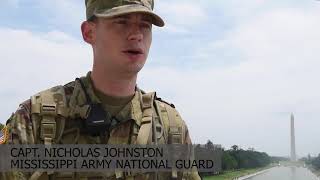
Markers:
point(316, 162)
point(249, 158)
point(228, 161)
point(235, 148)
point(209, 145)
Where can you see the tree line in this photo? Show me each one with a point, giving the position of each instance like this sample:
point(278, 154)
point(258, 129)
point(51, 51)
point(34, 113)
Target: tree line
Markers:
point(313, 161)
point(237, 158)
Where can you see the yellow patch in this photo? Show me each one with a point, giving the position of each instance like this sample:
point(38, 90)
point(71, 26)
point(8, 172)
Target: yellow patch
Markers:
point(4, 135)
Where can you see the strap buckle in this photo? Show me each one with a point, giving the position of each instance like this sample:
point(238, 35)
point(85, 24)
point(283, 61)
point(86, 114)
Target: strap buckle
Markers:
point(48, 129)
point(175, 135)
point(48, 109)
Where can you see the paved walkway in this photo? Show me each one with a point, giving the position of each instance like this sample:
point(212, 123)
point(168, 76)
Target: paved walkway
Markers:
point(251, 175)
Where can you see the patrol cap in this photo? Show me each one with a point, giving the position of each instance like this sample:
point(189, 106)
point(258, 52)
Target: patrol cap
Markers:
point(112, 8)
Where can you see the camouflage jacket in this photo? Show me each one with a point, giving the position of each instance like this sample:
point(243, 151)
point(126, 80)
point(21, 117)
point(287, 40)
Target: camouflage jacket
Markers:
point(24, 128)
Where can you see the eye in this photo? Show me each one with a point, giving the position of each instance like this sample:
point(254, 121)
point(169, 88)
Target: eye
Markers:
point(146, 25)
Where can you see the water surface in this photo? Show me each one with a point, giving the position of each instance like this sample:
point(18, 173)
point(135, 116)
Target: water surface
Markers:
point(286, 173)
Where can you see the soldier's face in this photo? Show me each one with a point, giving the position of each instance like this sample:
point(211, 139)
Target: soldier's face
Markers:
point(122, 43)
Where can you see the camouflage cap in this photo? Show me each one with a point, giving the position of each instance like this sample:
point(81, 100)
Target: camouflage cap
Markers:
point(111, 8)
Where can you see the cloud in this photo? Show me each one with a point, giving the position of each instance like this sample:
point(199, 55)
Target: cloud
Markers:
point(249, 102)
point(172, 28)
point(181, 15)
point(244, 8)
point(64, 15)
point(36, 61)
point(10, 3)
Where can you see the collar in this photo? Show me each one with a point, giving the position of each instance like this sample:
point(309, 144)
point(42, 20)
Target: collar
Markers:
point(79, 99)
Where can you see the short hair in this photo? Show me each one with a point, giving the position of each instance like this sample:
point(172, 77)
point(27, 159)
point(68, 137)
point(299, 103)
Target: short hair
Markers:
point(93, 19)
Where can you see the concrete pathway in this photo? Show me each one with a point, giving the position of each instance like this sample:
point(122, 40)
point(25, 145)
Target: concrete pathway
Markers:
point(252, 175)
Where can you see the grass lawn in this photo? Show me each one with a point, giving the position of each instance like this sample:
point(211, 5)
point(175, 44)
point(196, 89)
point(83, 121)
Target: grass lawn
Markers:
point(229, 175)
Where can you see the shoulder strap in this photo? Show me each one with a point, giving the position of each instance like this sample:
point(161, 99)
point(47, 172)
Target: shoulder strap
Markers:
point(49, 107)
point(145, 131)
point(48, 111)
point(146, 126)
point(175, 128)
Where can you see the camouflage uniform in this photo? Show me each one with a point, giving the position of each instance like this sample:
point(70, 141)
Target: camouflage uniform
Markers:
point(25, 128)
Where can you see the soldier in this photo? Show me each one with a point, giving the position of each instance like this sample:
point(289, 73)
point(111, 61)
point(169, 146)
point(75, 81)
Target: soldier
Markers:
point(105, 106)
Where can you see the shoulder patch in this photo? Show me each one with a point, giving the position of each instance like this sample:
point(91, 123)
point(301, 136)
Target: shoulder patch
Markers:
point(159, 99)
point(4, 135)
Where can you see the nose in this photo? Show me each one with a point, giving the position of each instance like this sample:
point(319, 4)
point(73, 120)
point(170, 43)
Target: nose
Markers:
point(135, 33)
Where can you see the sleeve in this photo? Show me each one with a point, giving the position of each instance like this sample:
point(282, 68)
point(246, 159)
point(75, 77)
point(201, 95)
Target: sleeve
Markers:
point(20, 131)
point(193, 175)
point(172, 118)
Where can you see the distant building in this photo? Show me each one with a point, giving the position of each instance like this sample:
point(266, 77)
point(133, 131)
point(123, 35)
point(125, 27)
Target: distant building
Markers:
point(293, 156)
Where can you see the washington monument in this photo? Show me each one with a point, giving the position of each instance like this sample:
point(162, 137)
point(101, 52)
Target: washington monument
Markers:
point(293, 141)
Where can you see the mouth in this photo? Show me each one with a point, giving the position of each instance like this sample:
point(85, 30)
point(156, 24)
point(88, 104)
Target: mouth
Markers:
point(137, 51)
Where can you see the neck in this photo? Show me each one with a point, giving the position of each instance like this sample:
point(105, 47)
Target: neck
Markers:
point(113, 84)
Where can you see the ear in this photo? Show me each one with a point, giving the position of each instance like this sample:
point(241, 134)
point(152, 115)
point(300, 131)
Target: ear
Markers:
point(88, 32)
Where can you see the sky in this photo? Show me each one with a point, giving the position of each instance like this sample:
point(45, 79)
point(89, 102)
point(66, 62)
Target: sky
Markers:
point(235, 70)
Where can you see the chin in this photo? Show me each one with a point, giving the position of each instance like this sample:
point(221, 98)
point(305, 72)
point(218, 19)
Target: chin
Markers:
point(136, 68)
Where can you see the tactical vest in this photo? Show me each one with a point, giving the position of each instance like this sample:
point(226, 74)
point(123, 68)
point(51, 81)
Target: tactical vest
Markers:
point(160, 123)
